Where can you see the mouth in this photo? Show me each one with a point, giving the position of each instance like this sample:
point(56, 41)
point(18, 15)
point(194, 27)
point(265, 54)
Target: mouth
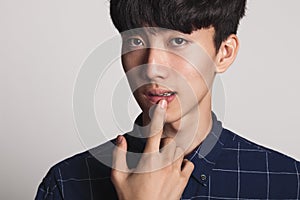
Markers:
point(165, 94)
point(156, 95)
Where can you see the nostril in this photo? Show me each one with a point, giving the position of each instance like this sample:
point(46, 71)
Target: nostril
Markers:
point(155, 71)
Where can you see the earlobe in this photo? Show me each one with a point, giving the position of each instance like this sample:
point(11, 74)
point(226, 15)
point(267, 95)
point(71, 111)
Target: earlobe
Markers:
point(227, 53)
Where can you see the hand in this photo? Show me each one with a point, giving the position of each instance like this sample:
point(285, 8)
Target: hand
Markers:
point(159, 174)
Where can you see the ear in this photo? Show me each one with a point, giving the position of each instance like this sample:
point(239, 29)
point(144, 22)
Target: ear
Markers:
point(227, 53)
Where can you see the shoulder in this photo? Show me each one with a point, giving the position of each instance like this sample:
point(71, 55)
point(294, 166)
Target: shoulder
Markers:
point(81, 165)
point(85, 174)
point(74, 177)
point(259, 169)
point(252, 150)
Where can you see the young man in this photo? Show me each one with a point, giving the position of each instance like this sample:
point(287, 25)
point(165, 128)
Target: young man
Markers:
point(178, 149)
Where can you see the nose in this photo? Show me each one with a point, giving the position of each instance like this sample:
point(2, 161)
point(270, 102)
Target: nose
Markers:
point(156, 64)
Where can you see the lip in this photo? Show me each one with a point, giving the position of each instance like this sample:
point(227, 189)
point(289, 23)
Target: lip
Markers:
point(152, 95)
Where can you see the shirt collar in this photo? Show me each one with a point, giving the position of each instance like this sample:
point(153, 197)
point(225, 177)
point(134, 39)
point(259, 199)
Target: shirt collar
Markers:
point(204, 157)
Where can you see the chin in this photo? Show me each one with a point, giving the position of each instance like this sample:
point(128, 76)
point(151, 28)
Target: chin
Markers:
point(172, 117)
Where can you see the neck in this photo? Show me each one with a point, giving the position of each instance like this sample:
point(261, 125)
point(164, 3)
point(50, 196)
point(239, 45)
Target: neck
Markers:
point(190, 131)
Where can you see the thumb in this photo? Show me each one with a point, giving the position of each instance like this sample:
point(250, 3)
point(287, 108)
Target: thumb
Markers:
point(119, 162)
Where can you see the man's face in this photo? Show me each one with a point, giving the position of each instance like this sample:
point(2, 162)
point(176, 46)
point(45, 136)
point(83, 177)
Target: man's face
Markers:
point(167, 64)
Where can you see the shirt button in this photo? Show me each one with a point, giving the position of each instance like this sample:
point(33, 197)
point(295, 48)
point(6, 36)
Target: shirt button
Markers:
point(203, 177)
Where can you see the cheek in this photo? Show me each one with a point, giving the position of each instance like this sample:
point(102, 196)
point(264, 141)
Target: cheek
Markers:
point(197, 74)
point(194, 63)
point(133, 59)
point(133, 66)
point(202, 74)
point(198, 86)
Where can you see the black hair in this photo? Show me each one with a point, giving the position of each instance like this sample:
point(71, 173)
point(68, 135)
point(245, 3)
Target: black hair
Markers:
point(185, 16)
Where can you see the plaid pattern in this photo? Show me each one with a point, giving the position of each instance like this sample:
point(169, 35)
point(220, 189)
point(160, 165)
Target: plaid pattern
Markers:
point(227, 166)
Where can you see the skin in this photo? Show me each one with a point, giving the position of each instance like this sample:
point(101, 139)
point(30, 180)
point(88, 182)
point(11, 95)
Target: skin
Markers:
point(173, 61)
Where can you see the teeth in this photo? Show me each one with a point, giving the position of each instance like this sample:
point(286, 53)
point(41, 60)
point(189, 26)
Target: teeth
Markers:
point(167, 94)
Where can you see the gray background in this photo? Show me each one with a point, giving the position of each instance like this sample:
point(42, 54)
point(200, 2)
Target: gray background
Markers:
point(43, 44)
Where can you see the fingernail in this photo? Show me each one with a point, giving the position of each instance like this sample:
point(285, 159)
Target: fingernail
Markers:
point(119, 139)
point(163, 104)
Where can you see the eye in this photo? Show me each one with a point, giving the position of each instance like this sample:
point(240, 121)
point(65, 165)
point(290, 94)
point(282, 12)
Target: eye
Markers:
point(135, 42)
point(177, 42)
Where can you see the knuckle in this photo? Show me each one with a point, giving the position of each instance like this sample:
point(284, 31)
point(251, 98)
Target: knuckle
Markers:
point(179, 149)
point(184, 180)
point(114, 176)
point(154, 129)
point(168, 169)
point(179, 152)
point(191, 165)
point(170, 141)
point(168, 145)
point(190, 169)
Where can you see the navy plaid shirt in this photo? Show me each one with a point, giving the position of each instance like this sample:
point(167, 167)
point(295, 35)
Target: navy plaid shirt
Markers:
point(227, 166)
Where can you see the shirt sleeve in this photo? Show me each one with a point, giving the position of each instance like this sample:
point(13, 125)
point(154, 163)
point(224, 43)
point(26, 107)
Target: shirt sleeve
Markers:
point(49, 188)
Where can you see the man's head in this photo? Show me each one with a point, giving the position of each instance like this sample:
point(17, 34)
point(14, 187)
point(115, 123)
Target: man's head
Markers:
point(185, 16)
point(172, 50)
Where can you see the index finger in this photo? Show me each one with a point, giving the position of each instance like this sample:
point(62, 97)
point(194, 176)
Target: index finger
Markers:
point(156, 127)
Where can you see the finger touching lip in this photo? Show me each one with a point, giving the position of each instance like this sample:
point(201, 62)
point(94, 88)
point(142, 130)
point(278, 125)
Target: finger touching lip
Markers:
point(155, 97)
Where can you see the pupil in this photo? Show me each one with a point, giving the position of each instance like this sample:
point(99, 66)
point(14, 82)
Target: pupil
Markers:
point(137, 42)
point(178, 40)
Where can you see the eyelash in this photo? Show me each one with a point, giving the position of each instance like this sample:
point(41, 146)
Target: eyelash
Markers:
point(136, 42)
point(131, 42)
point(173, 41)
